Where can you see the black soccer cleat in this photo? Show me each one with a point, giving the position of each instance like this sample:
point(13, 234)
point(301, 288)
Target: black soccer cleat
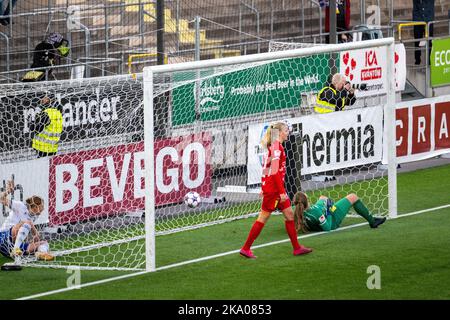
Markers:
point(377, 222)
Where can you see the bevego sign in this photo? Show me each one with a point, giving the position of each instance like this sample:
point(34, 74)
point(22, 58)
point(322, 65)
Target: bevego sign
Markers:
point(422, 129)
point(107, 181)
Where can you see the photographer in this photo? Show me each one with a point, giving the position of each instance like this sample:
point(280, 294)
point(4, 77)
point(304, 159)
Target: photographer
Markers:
point(47, 53)
point(335, 95)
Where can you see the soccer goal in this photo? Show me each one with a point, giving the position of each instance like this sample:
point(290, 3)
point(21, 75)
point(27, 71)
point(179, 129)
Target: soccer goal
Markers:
point(229, 103)
point(177, 148)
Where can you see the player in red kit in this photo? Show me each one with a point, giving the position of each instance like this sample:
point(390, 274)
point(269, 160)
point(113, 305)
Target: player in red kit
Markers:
point(272, 190)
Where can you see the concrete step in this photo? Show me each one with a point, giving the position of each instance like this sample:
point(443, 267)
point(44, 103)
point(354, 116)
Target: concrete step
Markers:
point(150, 40)
point(416, 77)
point(145, 41)
point(100, 20)
point(208, 9)
point(124, 30)
point(71, 2)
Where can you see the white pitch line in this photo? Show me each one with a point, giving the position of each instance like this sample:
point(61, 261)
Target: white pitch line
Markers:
point(39, 295)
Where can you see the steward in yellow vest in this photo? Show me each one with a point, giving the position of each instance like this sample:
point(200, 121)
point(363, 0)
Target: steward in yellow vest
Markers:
point(335, 96)
point(48, 127)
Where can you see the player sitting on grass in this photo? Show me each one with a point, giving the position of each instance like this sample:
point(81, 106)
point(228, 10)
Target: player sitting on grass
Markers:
point(325, 215)
point(17, 226)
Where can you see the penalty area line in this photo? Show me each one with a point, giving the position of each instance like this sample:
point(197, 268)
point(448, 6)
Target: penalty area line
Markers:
point(39, 295)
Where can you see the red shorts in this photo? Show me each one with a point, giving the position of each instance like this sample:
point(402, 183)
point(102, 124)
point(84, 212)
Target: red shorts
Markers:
point(271, 201)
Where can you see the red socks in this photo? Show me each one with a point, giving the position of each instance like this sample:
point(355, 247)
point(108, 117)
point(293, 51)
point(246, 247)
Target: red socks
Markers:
point(290, 228)
point(258, 226)
point(254, 233)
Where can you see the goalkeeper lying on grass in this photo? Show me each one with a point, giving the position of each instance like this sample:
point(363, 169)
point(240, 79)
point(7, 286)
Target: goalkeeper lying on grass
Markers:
point(325, 215)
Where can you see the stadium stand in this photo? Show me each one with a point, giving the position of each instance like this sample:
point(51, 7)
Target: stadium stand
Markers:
point(105, 33)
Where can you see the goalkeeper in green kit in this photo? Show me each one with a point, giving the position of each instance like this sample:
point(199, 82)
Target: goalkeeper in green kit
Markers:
point(325, 215)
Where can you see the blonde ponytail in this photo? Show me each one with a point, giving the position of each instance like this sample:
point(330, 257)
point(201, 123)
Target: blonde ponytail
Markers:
point(272, 133)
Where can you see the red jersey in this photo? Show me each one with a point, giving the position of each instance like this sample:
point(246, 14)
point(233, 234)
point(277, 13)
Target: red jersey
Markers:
point(274, 169)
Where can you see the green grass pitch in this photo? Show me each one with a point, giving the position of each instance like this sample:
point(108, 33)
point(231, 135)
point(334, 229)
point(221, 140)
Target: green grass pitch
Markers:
point(412, 254)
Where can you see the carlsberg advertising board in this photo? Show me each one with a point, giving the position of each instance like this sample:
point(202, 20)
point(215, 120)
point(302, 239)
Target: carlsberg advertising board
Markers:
point(265, 87)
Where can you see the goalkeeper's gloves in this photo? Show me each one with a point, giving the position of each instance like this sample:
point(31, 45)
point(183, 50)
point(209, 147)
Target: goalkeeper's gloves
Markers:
point(330, 204)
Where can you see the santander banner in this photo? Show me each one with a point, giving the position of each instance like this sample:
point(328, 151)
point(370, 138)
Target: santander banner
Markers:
point(109, 181)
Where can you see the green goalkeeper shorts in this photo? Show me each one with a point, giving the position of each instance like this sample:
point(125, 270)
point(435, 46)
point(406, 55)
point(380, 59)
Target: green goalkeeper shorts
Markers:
point(338, 211)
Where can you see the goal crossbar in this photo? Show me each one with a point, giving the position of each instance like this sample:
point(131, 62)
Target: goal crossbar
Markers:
point(267, 56)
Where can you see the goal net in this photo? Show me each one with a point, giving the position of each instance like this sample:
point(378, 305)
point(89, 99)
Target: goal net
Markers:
point(230, 102)
point(93, 188)
point(132, 148)
point(283, 46)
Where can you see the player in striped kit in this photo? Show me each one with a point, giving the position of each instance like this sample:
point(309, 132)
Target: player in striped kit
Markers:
point(19, 224)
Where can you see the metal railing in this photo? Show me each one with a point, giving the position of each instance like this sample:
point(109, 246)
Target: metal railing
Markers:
point(107, 40)
point(243, 4)
point(7, 50)
point(424, 47)
point(320, 16)
point(131, 57)
point(58, 15)
point(412, 24)
point(17, 72)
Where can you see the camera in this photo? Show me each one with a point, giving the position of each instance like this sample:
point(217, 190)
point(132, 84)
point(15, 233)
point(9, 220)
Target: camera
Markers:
point(359, 86)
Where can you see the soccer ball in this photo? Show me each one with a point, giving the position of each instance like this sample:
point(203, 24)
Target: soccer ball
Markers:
point(192, 199)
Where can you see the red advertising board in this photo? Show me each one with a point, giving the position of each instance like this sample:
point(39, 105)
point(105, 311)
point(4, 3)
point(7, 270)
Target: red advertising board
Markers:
point(442, 123)
point(422, 129)
point(402, 129)
point(110, 181)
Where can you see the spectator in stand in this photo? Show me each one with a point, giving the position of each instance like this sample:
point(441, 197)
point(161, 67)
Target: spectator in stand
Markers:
point(6, 10)
point(342, 18)
point(423, 10)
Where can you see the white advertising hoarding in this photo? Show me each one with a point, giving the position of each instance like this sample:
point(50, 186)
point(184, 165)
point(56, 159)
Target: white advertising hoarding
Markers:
point(330, 141)
point(369, 65)
point(422, 129)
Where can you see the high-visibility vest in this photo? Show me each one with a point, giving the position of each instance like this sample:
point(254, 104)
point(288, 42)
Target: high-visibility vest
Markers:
point(323, 106)
point(47, 140)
